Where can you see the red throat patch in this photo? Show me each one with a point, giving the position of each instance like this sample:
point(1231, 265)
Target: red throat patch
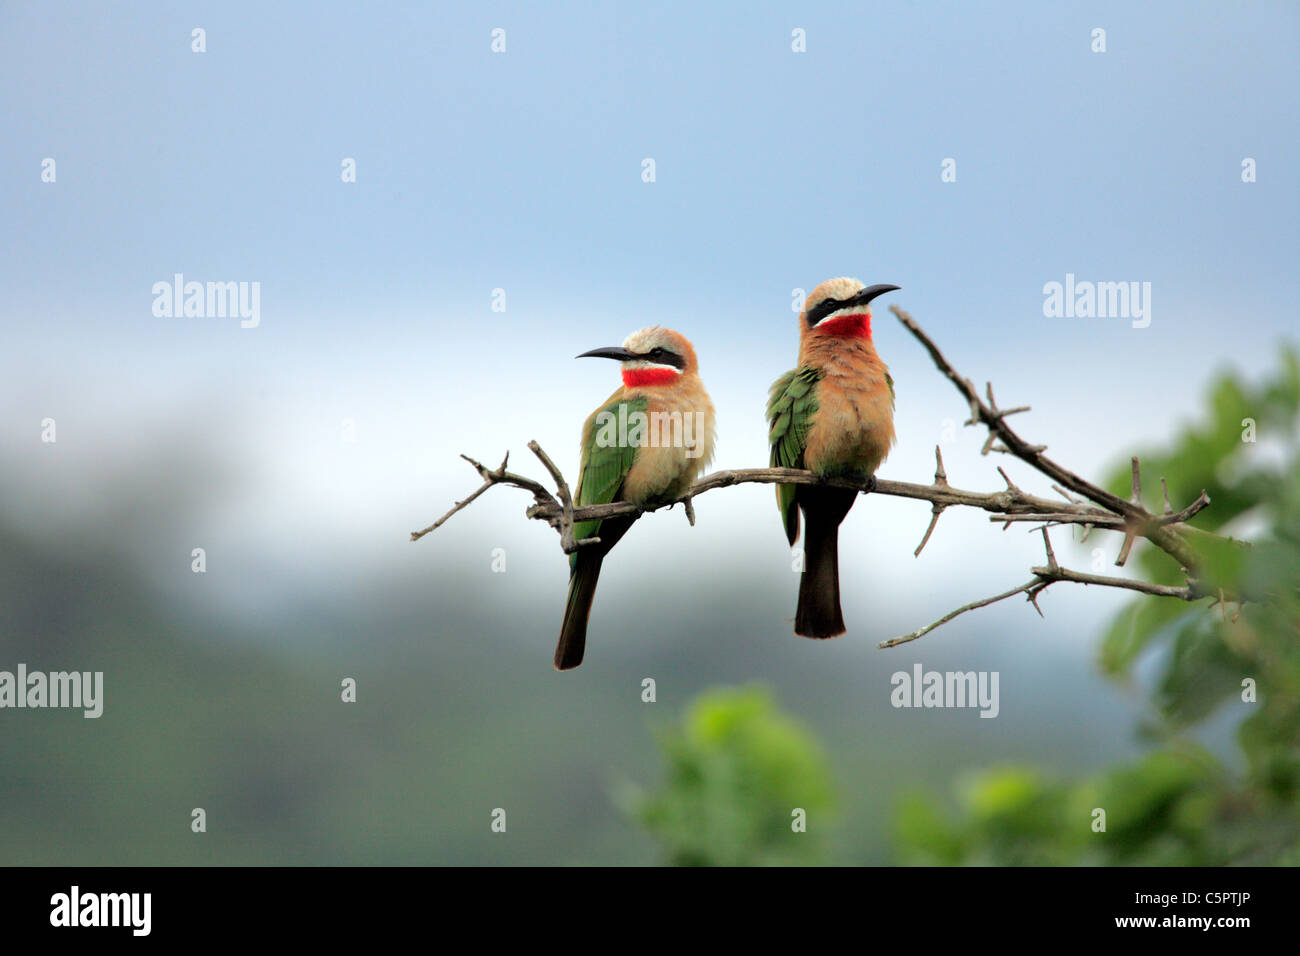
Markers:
point(634, 377)
point(857, 326)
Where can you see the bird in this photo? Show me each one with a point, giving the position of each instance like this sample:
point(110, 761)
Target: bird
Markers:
point(832, 415)
point(646, 444)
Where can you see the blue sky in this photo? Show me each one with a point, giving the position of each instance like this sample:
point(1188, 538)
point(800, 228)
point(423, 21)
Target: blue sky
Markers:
point(522, 171)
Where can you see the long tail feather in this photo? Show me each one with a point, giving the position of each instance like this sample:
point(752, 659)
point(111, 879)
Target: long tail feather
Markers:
point(818, 614)
point(582, 588)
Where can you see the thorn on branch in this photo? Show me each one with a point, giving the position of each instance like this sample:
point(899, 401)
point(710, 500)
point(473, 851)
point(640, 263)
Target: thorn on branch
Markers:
point(1032, 596)
point(936, 509)
point(1201, 503)
point(1065, 494)
point(1051, 555)
point(1130, 530)
point(973, 400)
point(1130, 536)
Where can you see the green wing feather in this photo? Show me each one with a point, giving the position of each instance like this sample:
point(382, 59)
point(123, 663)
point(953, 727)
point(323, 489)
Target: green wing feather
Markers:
point(790, 411)
point(604, 465)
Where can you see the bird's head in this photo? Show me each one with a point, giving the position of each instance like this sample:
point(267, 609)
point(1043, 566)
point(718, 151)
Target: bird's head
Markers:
point(653, 356)
point(840, 307)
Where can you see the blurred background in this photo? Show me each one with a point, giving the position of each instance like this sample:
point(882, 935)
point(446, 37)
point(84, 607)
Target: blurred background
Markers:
point(299, 454)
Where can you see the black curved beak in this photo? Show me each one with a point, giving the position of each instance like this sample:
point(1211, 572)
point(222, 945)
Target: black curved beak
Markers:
point(871, 291)
point(619, 354)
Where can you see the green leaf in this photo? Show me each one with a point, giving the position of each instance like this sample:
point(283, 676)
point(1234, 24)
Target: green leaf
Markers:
point(1133, 629)
point(736, 770)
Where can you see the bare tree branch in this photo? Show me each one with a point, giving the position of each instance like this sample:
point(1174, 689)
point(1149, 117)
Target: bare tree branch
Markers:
point(1045, 577)
point(1085, 504)
point(922, 631)
point(1186, 593)
point(1167, 539)
point(490, 478)
point(1012, 501)
point(566, 518)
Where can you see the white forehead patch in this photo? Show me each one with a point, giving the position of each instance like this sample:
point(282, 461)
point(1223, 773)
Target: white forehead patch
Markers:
point(643, 340)
point(647, 340)
point(841, 288)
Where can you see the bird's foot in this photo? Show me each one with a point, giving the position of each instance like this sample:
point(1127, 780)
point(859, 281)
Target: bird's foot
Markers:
point(871, 485)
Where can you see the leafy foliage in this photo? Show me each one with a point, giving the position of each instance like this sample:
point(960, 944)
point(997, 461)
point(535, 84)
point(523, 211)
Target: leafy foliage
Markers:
point(1179, 805)
point(737, 769)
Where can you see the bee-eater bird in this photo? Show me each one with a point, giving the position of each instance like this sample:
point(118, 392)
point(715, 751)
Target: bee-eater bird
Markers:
point(645, 444)
point(833, 415)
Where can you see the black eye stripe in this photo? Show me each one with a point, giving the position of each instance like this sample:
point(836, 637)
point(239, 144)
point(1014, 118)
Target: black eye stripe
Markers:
point(861, 298)
point(824, 308)
point(663, 357)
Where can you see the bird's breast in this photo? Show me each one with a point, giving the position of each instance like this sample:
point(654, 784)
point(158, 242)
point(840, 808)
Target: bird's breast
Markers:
point(853, 427)
point(674, 448)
